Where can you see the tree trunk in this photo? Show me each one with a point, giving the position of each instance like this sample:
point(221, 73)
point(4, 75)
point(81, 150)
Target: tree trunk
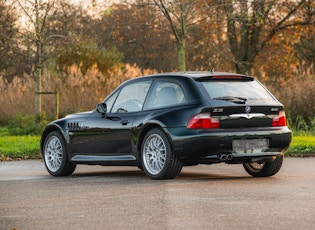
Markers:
point(38, 63)
point(181, 54)
point(38, 89)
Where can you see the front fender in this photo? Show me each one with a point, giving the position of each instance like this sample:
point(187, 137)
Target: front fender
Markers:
point(54, 126)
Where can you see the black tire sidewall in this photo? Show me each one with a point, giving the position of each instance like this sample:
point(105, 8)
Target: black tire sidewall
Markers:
point(269, 169)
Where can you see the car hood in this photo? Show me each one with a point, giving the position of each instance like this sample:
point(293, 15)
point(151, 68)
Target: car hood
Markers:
point(79, 115)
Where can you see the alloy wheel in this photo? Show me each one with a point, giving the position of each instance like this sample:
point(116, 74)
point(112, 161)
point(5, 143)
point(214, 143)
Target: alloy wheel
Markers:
point(154, 154)
point(53, 154)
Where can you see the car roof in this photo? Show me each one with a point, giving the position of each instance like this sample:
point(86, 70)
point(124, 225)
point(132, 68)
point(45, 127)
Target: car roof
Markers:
point(198, 74)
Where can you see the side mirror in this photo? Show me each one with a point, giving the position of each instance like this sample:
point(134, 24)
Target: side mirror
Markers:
point(101, 108)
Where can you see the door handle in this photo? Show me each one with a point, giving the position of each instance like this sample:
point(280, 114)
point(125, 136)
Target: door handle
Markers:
point(125, 122)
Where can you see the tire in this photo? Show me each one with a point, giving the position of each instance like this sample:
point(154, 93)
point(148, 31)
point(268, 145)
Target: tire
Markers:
point(158, 160)
point(55, 155)
point(264, 169)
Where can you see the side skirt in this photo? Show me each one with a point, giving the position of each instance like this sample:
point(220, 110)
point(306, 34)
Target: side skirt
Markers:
point(105, 160)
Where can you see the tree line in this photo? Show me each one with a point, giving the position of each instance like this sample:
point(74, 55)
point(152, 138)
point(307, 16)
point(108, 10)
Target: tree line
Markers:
point(273, 40)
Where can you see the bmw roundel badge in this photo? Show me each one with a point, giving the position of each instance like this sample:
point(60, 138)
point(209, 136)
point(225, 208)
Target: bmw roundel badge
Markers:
point(247, 109)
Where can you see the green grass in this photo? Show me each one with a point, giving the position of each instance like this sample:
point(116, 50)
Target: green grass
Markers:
point(3, 132)
point(302, 146)
point(15, 147)
point(27, 147)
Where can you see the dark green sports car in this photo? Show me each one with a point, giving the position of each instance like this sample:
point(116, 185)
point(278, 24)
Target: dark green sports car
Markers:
point(163, 122)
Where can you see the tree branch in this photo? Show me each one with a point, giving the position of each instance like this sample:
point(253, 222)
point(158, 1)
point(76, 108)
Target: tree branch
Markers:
point(280, 26)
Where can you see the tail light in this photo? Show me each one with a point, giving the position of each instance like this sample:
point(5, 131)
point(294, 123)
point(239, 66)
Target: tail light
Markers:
point(279, 120)
point(203, 121)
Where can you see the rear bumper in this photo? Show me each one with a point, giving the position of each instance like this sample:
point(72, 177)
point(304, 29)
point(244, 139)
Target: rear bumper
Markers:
point(236, 159)
point(203, 145)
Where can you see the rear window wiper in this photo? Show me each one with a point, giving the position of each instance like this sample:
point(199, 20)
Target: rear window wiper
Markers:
point(240, 100)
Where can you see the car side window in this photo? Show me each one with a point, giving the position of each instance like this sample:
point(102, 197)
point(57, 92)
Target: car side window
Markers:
point(110, 101)
point(165, 94)
point(131, 97)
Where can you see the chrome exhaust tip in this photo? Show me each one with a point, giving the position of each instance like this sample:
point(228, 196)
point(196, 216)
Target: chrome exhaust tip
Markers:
point(225, 156)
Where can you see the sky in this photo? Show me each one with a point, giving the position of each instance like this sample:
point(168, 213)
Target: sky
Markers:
point(89, 3)
point(93, 7)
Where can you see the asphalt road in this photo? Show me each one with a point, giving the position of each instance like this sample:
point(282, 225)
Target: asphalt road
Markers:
point(202, 197)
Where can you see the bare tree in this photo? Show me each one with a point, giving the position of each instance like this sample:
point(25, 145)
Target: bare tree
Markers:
point(37, 14)
point(181, 17)
point(251, 24)
point(8, 44)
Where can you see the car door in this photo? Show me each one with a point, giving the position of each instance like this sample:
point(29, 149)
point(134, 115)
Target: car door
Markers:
point(110, 134)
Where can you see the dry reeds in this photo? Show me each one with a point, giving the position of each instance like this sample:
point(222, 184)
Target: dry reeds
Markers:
point(297, 95)
point(16, 97)
point(77, 92)
point(80, 92)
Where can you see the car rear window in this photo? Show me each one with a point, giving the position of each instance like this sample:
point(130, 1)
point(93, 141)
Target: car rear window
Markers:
point(249, 90)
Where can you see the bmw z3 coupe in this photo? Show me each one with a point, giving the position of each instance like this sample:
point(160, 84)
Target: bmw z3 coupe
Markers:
point(163, 122)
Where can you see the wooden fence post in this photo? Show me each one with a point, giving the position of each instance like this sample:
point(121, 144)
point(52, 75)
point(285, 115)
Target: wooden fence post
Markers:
point(56, 93)
point(57, 105)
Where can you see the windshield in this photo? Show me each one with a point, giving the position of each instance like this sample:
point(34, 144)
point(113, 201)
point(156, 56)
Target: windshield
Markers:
point(236, 90)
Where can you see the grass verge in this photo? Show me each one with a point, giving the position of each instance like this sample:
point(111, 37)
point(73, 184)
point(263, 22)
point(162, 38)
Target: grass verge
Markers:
point(19, 147)
point(302, 146)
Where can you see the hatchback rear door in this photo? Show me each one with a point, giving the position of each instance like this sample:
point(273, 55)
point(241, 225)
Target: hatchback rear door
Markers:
point(240, 102)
